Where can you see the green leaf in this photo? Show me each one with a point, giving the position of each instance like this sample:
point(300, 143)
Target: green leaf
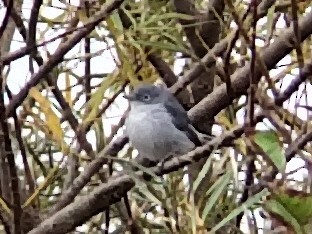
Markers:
point(202, 174)
point(280, 210)
point(270, 20)
point(220, 185)
point(160, 45)
point(116, 21)
point(52, 120)
point(97, 98)
point(129, 15)
point(157, 18)
point(251, 201)
point(52, 21)
point(270, 144)
point(300, 207)
point(151, 197)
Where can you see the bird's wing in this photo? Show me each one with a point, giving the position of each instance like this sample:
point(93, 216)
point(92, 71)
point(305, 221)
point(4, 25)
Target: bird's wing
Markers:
point(180, 119)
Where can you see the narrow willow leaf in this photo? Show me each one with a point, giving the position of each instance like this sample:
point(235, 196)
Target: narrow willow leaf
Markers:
point(68, 96)
point(5, 207)
point(52, 21)
point(52, 121)
point(202, 174)
point(115, 19)
point(171, 15)
point(41, 187)
point(270, 144)
point(193, 214)
point(160, 45)
point(300, 207)
point(97, 98)
point(221, 184)
point(280, 210)
point(144, 190)
point(251, 201)
point(270, 18)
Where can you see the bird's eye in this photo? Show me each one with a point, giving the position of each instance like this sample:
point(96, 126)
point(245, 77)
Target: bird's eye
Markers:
point(146, 97)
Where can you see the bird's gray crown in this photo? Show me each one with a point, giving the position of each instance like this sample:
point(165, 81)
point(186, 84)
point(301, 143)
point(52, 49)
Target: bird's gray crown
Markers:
point(147, 94)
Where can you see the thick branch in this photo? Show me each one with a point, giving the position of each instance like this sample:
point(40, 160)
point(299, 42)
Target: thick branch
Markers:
point(218, 99)
point(207, 34)
point(209, 59)
point(211, 105)
point(102, 194)
point(106, 194)
point(57, 57)
point(92, 168)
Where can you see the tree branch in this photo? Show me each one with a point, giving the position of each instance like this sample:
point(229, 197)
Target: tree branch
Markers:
point(95, 202)
point(57, 57)
point(271, 56)
point(5, 20)
point(111, 192)
point(218, 99)
point(92, 168)
point(31, 35)
point(10, 158)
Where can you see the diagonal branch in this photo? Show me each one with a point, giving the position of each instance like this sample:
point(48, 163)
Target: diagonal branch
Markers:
point(218, 99)
point(57, 57)
point(92, 168)
point(31, 35)
point(5, 20)
point(111, 192)
point(210, 105)
point(10, 158)
point(214, 52)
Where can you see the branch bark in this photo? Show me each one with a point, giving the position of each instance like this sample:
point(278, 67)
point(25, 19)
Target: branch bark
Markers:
point(57, 57)
point(218, 99)
point(201, 38)
point(103, 196)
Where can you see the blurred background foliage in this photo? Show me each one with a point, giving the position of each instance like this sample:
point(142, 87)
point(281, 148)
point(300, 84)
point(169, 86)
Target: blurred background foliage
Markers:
point(117, 55)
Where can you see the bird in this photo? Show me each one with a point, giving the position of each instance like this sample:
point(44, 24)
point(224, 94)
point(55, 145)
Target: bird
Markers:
point(157, 124)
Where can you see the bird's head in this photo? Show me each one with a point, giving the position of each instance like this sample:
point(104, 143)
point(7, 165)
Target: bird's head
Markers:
point(147, 94)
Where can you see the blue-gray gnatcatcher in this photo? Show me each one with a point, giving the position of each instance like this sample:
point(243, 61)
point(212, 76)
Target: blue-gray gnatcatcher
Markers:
point(157, 124)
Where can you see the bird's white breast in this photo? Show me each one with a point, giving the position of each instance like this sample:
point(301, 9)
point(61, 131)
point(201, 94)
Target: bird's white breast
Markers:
point(152, 133)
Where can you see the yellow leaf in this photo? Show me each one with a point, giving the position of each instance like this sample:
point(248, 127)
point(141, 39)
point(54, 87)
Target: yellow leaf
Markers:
point(82, 15)
point(52, 121)
point(97, 98)
point(68, 97)
point(41, 187)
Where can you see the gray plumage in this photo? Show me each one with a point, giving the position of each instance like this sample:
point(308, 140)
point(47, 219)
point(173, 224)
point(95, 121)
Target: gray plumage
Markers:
point(157, 124)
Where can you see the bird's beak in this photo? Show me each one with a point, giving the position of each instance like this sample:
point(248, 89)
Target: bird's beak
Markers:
point(129, 97)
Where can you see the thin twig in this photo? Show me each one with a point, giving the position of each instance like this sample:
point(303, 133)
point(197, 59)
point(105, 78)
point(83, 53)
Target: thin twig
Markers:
point(31, 35)
point(18, 130)
point(112, 191)
point(6, 17)
point(10, 157)
point(57, 57)
point(250, 114)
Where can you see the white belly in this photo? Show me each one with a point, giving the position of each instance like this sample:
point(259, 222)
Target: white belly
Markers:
point(154, 135)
